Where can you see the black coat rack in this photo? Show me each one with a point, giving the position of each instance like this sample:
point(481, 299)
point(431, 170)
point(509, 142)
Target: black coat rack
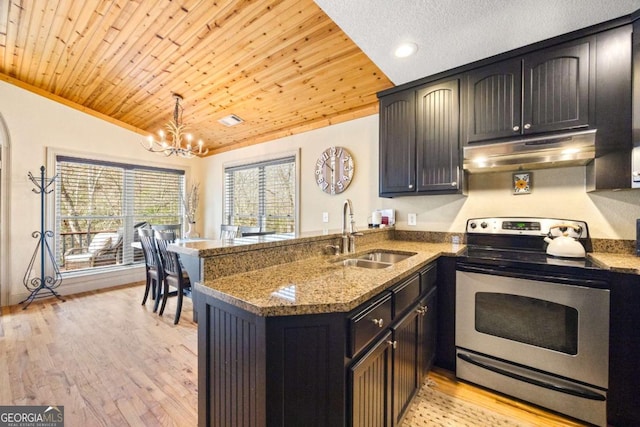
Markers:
point(35, 285)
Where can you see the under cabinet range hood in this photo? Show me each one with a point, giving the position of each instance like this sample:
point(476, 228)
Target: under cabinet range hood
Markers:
point(539, 152)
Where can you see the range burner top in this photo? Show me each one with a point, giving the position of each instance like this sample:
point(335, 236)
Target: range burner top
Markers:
point(510, 256)
point(518, 242)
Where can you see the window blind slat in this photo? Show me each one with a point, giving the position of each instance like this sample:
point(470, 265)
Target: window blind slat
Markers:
point(261, 194)
point(94, 196)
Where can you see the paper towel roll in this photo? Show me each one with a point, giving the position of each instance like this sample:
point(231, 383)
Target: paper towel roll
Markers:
point(376, 218)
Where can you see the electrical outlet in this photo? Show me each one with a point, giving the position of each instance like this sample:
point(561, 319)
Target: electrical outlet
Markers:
point(412, 219)
point(325, 216)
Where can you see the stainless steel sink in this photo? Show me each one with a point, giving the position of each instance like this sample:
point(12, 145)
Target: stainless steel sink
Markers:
point(376, 259)
point(355, 262)
point(386, 257)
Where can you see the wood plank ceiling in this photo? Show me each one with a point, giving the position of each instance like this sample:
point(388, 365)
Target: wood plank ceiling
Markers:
point(281, 65)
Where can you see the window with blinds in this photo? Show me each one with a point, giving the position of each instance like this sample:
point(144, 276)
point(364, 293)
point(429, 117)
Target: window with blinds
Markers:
point(100, 205)
point(262, 195)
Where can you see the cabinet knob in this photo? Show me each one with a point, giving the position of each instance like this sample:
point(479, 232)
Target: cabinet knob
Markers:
point(527, 126)
point(378, 322)
point(410, 186)
point(516, 128)
point(393, 344)
point(454, 184)
point(422, 310)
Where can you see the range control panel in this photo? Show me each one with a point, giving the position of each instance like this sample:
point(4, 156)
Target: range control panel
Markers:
point(528, 226)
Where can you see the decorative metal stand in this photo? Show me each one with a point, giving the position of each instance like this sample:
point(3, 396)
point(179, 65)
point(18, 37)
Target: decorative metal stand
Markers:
point(43, 283)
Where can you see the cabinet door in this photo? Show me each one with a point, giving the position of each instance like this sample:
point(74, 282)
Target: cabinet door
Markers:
point(556, 89)
point(437, 137)
point(397, 143)
point(370, 381)
point(494, 106)
point(405, 364)
point(427, 333)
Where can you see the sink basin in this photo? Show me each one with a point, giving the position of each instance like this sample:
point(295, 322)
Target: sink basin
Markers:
point(376, 259)
point(386, 257)
point(364, 263)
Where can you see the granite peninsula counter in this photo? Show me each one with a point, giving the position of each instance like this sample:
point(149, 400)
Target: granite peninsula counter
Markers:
point(321, 284)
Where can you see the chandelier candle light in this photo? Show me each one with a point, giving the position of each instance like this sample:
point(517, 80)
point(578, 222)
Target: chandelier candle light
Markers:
point(176, 132)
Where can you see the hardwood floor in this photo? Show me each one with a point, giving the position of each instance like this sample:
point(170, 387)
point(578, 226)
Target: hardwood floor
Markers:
point(112, 362)
point(108, 360)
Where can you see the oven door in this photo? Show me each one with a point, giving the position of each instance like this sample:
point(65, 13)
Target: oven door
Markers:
point(562, 329)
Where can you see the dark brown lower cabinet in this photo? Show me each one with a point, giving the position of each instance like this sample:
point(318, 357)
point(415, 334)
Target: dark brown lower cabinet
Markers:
point(385, 379)
point(406, 377)
point(260, 371)
point(427, 334)
point(370, 381)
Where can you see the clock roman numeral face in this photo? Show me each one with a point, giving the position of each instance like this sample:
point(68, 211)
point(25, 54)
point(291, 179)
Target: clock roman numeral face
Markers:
point(334, 170)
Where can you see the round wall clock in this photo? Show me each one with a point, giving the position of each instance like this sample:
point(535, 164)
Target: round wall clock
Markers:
point(334, 170)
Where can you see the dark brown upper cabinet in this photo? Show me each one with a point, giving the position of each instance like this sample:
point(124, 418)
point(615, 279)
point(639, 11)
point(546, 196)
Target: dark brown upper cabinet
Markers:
point(544, 91)
point(420, 140)
point(398, 143)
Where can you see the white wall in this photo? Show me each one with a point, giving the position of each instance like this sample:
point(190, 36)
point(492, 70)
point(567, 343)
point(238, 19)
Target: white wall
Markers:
point(360, 137)
point(38, 126)
point(556, 192)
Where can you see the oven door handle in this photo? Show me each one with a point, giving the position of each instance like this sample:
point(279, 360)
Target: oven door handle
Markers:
point(573, 390)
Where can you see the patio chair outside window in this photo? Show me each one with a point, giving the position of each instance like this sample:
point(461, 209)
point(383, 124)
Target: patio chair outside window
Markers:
point(105, 249)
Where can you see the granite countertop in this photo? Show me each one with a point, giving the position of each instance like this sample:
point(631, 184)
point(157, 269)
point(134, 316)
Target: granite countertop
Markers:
point(321, 284)
point(621, 263)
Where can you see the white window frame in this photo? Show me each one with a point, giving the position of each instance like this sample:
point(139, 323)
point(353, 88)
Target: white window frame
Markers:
point(266, 158)
point(76, 281)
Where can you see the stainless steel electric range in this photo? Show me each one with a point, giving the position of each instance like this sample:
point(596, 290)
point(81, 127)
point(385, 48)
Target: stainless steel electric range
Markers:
point(531, 325)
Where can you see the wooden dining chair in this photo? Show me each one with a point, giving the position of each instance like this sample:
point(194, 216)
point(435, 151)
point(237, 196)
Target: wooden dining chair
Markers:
point(176, 228)
point(153, 268)
point(173, 274)
point(228, 231)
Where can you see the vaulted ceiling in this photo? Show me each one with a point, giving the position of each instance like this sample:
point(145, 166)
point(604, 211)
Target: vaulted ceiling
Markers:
point(283, 66)
point(280, 65)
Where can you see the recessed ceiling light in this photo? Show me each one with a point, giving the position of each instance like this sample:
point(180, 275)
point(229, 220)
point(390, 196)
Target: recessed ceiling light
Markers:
point(231, 120)
point(406, 49)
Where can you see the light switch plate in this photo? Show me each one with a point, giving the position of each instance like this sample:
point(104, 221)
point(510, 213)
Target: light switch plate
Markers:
point(325, 216)
point(412, 219)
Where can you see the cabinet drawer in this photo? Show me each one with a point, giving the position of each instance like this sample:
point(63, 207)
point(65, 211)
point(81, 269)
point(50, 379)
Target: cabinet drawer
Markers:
point(366, 324)
point(405, 294)
point(428, 278)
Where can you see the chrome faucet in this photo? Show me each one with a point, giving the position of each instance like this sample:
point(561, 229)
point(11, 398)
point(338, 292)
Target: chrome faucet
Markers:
point(348, 238)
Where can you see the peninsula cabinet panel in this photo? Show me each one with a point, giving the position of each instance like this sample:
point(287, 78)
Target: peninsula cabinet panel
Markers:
point(397, 143)
point(231, 380)
point(305, 370)
point(541, 92)
point(259, 371)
